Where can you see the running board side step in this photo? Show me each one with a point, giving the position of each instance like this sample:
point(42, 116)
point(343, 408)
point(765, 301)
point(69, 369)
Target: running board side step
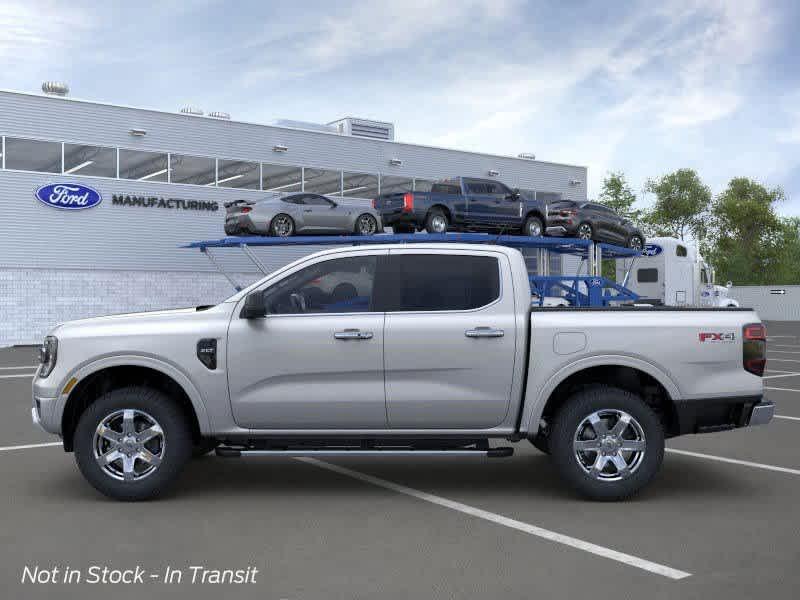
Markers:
point(228, 452)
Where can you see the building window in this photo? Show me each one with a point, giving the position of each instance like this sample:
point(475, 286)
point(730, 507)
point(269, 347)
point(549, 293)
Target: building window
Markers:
point(144, 166)
point(360, 185)
point(280, 178)
point(90, 160)
point(323, 181)
point(33, 155)
point(238, 174)
point(195, 170)
point(396, 185)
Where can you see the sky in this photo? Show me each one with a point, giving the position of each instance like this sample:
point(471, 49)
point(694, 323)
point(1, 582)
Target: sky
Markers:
point(639, 87)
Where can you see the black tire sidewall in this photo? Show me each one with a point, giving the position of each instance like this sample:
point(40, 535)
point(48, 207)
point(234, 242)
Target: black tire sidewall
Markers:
point(177, 435)
point(578, 407)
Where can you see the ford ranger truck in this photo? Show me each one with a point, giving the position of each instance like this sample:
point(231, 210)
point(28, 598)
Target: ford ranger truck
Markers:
point(397, 350)
point(464, 204)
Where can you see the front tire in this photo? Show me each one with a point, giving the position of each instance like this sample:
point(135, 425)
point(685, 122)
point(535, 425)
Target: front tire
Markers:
point(366, 224)
point(584, 231)
point(132, 443)
point(282, 226)
point(437, 221)
point(607, 443)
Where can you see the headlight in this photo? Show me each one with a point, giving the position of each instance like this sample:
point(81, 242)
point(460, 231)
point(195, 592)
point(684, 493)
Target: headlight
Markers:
point(47, 355)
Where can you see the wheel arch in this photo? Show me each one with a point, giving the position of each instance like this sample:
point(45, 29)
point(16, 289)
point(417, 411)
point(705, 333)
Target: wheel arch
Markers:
point(643, 379)
point(285, 214)
point(96, 379)
point(443, 208)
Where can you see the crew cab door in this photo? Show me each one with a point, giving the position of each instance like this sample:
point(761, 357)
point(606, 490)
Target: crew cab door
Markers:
point(449, 340)
point(316, 360)
point(504, 207)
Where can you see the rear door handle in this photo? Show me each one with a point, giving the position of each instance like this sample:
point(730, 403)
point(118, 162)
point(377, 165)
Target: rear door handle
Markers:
point(353, 334)
point(484, 332)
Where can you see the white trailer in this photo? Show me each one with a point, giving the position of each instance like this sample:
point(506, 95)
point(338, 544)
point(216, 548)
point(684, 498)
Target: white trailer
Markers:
point(673, 273)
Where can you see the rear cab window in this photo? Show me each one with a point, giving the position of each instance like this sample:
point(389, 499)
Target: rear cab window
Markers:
point(442, 282)
point(647, 276)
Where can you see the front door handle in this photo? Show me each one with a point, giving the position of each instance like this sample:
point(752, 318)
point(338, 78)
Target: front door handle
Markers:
point(353, 334)
point(484, 332)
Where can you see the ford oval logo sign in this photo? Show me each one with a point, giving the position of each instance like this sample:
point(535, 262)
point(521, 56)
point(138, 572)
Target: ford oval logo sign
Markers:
point(69, 196)
point(652, 250)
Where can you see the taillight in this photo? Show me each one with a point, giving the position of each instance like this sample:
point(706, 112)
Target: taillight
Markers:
point(374, 203)
point(408, 202)
point(246, 209)
point(754, 348)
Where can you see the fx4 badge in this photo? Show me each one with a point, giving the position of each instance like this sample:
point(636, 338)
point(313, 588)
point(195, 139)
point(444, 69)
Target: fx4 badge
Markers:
point(714, 337)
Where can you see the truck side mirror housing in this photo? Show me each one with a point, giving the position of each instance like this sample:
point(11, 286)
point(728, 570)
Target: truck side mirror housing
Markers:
point(515, 194)
point(729, 285)
point(254, 306)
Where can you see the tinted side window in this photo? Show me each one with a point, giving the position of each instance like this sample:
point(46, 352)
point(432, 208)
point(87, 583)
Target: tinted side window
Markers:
point(647, 275)
point(342, 285)
point(433, 282)
point(476, 188)
point(316, 200)
point(446, 188)
point(294, 199)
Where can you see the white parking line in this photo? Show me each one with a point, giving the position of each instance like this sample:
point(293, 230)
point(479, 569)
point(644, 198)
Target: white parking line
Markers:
point(18, 368)
point(781, 389)
point(735, 461)
point(773, 359)
point(609, 553)
point(28, 375)
point(787, 418)
point(783, 351)
point(28, 446)
point(784, 375)
point(783, 346)
point(778, 371)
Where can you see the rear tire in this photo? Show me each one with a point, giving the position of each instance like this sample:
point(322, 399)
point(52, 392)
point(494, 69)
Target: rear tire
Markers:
point(282, 225)
point(541, 443)
point(205, 446)
point(534, 227)
point(590, 418)
point(437, 221)
point(147, 432)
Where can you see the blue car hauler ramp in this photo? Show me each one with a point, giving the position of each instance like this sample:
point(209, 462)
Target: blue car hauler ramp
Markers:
point(591, 289)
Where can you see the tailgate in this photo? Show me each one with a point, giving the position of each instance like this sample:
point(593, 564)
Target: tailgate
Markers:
point(390, 202)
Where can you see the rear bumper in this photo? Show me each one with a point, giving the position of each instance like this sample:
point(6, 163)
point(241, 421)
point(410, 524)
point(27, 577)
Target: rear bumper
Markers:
point(708, 415)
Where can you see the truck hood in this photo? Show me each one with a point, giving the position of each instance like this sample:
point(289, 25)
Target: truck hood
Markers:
point(93, 323)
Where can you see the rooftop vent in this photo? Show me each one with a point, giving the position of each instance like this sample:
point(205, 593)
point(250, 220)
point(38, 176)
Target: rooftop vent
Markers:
point(376, 130)
point(303, 125)
point(55, 88)
point(192, 110)
point(527, 155)
point(216, 114)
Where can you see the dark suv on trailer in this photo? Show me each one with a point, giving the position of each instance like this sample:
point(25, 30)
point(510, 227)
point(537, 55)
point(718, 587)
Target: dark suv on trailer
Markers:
point(592, 221)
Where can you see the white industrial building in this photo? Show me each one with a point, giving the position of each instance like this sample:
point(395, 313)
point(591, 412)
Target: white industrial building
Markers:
point(163, 178)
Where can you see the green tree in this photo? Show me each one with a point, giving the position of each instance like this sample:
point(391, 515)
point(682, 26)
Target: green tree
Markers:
point(618, 195)
point(749, 243)
point(681, 205)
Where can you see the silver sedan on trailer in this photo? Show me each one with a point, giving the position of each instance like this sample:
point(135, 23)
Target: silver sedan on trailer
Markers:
point(283, 215)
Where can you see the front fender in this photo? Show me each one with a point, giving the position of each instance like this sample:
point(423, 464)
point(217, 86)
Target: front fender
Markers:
point(150, 362)
point(537, 399)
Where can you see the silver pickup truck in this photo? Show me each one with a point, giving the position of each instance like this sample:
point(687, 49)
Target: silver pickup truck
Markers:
point(396, 349)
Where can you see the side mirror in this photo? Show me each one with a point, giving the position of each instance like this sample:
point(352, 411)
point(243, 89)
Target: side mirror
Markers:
point(333, 204)
point(254, 306)
point(514, 195)
point(729, 285)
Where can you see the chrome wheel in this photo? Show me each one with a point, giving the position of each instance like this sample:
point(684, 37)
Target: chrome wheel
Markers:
point(439, 224)
point(609, 445)
point(129, 445)
point(366, 225)
point(534, 228)
point(635, 243)
point(282, 226)
point(585, 231)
